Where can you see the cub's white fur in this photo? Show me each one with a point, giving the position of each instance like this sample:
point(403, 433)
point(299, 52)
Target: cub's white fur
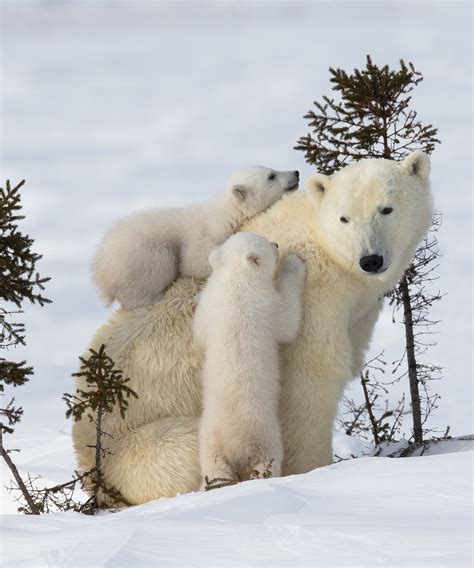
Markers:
point(144, 253)
point(242, 316)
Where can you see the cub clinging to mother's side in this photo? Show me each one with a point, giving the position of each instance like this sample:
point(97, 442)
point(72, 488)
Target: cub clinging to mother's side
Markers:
point(142, 254)
point(389, 207)
point(244, 313)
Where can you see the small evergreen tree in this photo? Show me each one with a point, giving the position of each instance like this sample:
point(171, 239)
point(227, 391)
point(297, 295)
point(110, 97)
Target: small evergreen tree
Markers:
point(106, 389)
point(373, 119)
point(19, 281)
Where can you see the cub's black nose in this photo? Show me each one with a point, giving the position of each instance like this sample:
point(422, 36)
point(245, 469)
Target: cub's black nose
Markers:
point(297, 174)
point(371, 263)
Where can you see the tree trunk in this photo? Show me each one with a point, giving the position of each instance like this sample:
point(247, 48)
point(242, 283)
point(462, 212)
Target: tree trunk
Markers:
point(411, 361)
point(373, 421)
point(31, 504)
point(98, 455)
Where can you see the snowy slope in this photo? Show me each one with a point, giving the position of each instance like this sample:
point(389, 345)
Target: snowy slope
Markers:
point(365, 512)
point(46, 453)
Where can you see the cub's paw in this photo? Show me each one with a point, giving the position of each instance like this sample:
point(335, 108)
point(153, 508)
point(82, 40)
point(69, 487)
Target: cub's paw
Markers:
point(294, 265)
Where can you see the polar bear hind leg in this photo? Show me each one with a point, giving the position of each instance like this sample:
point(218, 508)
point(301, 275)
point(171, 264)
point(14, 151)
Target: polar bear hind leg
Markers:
point(149, 273)
point(157, 460)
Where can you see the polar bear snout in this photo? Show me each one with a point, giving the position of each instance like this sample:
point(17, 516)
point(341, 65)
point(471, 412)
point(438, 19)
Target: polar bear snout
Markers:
point(371, 263)
point(294, 181)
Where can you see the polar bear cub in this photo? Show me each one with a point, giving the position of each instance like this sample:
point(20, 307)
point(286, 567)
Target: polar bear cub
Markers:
point(141, 255)
point(244, 312)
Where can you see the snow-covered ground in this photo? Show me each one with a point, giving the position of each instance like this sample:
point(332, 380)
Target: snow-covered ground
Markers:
point(109, 106)
point(365, 512)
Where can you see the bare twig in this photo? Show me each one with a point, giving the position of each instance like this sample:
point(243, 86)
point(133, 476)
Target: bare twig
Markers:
point(31, 504)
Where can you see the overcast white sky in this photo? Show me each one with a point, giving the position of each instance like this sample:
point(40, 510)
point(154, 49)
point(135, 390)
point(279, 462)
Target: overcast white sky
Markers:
point(112, 106)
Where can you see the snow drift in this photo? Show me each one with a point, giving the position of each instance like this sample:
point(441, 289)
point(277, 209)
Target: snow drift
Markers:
point(363, 512)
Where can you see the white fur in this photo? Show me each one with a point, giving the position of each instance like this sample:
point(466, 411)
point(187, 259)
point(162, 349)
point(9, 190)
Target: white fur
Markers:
point(359, 195)
point(242, 316)
point(141, 255)
point(155, 448)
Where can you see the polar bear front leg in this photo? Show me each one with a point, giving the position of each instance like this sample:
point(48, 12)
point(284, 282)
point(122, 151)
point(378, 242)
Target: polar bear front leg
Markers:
point(360, 334)
point(270, 458)
point(215, 468)
point(290, 285)
point(268, 468)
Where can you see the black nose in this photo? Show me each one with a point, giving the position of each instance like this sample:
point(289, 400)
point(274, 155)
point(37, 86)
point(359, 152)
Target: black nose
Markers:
point(371, 263)
point(297, 174)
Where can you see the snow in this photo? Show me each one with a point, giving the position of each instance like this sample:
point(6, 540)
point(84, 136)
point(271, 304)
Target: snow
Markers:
point(345, 447)
point(45, 452)
point(350, 447)
point(364, 512)
point(113, 106)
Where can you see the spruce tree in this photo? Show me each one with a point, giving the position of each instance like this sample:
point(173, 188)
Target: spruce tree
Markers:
point(19, 282)
point(105, 389)
point(373, 118)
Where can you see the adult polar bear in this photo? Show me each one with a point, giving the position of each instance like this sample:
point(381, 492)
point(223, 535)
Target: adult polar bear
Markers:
point(357, 232)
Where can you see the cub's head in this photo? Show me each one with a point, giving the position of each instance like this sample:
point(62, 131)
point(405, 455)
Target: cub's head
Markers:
point(247, 253)
point(254, 188)
point(371, 215)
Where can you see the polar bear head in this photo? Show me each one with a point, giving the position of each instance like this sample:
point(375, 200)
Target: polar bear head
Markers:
point(254, 188)
point(246, 253)
point(371, 215)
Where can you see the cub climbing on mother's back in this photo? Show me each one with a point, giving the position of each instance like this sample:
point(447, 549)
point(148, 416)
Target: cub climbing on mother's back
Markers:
point(244, 313)
point(141, 255)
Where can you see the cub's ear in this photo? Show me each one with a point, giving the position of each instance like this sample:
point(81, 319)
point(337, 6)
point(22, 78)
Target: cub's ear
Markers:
point(417, 164)
point(253, 258)
point(316, 186)
point(215, 258)
point(240, 192)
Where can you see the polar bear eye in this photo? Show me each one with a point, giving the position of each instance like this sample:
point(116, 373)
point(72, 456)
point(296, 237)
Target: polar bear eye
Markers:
point(271, 176)
point(344, 220)
point(386, 210)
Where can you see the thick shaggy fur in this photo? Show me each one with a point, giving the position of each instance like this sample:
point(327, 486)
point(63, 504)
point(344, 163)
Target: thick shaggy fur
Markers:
point(141, 255)
point(155, 448)
point(243, 315)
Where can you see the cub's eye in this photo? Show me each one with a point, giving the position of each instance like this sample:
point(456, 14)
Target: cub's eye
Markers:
point(386, 210)
point(344, 220)
point(271, 176)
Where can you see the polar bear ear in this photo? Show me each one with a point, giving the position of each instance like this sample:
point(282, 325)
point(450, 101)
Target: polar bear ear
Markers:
point(316, 186)
point(253, 258)
point(240, 192)
point(215, 258)
point(417, 164)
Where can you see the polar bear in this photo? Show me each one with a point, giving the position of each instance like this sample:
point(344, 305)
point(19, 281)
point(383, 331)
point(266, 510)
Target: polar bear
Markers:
point(244, 313)
point(388, 208)
point(141, 255)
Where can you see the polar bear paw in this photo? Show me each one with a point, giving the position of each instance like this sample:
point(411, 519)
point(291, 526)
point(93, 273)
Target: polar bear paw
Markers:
point(294, 265)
